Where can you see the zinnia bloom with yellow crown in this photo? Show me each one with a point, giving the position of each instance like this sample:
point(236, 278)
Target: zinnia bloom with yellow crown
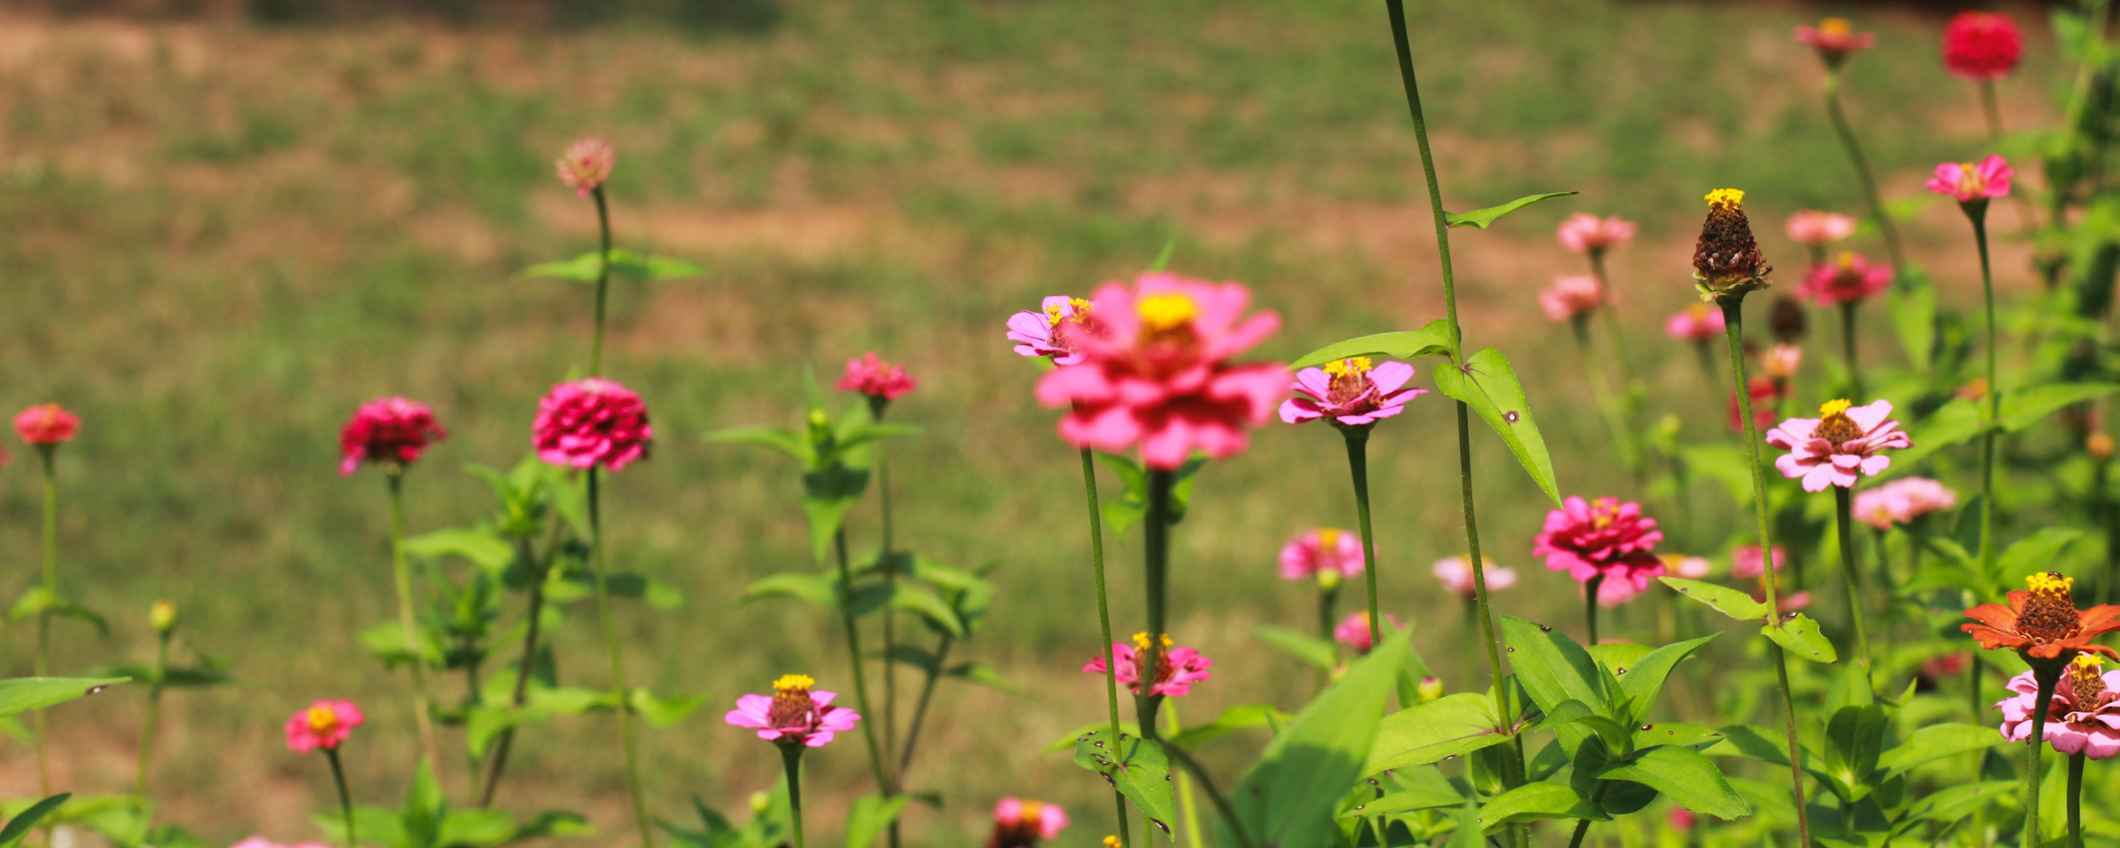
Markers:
point(2083, 716)
point(1022, 824)
point(2041, 622)
point(1727, 263)
point(796, 713)
point(1841, 446)
point(1177, 667)
point(1353, 392)
point(1050, 332)
point(1835, 39)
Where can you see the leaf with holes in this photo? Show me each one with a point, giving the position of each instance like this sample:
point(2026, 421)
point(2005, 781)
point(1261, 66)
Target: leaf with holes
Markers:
point(1722, 599)
point(1799, 635)
point(1684, 776)
point(22, 694)
point(1137, 767)
point(1488, 385)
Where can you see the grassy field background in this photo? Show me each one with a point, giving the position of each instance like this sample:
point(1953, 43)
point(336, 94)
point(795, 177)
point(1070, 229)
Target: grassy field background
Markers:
point(222, 236)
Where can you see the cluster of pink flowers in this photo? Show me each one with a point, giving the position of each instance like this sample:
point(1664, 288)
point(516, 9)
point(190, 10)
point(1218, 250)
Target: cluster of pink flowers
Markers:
point(1589, 234)
point(1353, 392)
point(390, 429)
point(795, 714)
point(1325, 555)
point(322, 726)
point(1816, 229)
point(585, 165)
point(591, 423)
point(1572, 297)
point(1177, 667)
point(1902, 501)
point(1051, 331)
point(1353, 631)
point(1972, 183)
point(868, 374)
point(1698, 323)
point(2083, 717)
point(1981, 45)
point(1841, 446)
point(1607, 538)
point(1157, 376)
point(47, 425)
point(1849, 279)
point(1455, 573)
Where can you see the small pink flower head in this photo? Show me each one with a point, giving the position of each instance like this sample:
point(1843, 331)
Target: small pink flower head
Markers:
point(1901, 501)
point(1607, 538)
point(1456, 575)
point(1973, 182)
point(1050, 331)
point(586, 165)
point(322, 726)
point(1780, 363)
point(46, 425)
point(1981, 45)
point(1835, 39)
point(2083, 716)
point(1699, 323)
point(870, 375)
point(1766, 393)
point(1813, 228)
point(1353, 631)
point(391, 429)
point(1786, 601)
point(1844, 444)
point(1354, 392)
point(1177, 667)
point(1585, 233)
point(1946, 666)
point(1325, 555)
point(1689, 567)
point(1681, 819)
point(1156, 375)
point(1570, 298)
point(1849, 279)
point(592, 422)
point(1613, 593)
point(1022, 824)
point(796, 714)
point(1746, 563)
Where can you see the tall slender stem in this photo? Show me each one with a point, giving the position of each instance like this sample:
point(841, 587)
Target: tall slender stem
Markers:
point(1847, 348)
point(2047, 673)
point(1976, 212)
point(1851, 579)
point(50, 456)
point(415, 648)
point(861, 681)
point(338, 777)
point(920, 705)
point(1608, 314)
point(1104, 619)
point(2075, 801)
point(1734, 332)
point(1862, 172)
point(877, 405)
point(1358, 467)
point(791, 762)
point(1590, 589)
point(524, 666)
point(603, 281)
point(148, 726)
point(619, 686)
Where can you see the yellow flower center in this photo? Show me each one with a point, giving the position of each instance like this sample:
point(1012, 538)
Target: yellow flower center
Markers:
point(1141, 641)
point(1847, 259)
point(1351, 367)
point(1602, 514)
point(1080, 312)
point(791, 683)
point(2050, 613)
point(2086, 680)
point(1835, 26)
point(322, 718)
point(2051, 583)
point(1328, 538)
point(1166, 312)
point(1834, 425)
point(1969, 178)
point(1030, 813)
point(1113, 842)
point(1726, 198)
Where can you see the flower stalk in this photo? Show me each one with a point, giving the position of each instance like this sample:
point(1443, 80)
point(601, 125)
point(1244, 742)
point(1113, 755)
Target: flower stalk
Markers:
point(150, 724)
point(49, 455)
point(2047, 673)
point(791, 762)
point(338, 777)
point(861, 683)
point(415, 648)
point(1976, 212)
point(1104, 619)
point(1851, 579)
point(620, 688)
point(1358, 469)
point(2075, 800)
point(1846, 132)
point(603, 280)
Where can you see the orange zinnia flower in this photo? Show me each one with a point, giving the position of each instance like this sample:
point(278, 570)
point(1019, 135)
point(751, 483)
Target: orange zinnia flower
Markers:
point(2043, 623)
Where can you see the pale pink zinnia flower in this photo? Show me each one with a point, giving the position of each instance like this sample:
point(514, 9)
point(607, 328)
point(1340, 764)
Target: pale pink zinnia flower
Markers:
point(1157, 376)
point(2083, 716)
point(795, 714)
point(47, 424)
point(1607, 538)
point(1612, 593)
point(1746, 563)
point(1353, 631)
point(1022, 824)
point(1585, 233)
point(1571, 297)
point(1972, 182)
point(1325, 555)
point(1689, 567)
point(1049, 331)
point(1901, 501)
point(1781, 362)
point(1834, 39)
point(592, 422)
point(1699, 323)
point(1352, 392)
point(1813, 228)
point(586, 165)
point(391, 429)
point(1456, 575)
point(1840, 447)
point(868, 374)
point(322, 726)
point(1786, 601)
point(1177, 667)
point(1849, 279)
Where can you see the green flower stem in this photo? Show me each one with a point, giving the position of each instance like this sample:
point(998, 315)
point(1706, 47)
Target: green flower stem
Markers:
point(2047, 673)
point(1851, 579)
point(1590, 588)
point(619, 686)
point(1734, 332)
point(1328, 603)
point(2102, 513)
point(1513, 770)
point(521, 694)
point(1104, 619)
point(877, 406)
point(1862, 173)
point(603, 281)
point(1358, 468)
point(1847, 349)
point(791, 761)
point(1610, 404)
point(854, 655)
point(1630, 381)
point(49, 454)
point(408, 628)
point(1976, 212)
point(920, 706)
point(338, 776)
point(1188, 806)
point(2075, 801)
point(153, 720)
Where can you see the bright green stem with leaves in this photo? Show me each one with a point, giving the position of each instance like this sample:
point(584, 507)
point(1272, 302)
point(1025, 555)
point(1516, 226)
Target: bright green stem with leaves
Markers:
point(791, 762)
point(1862, 173)
point(603, 281)
point(1976, 212)
point(1590, 589)
point(1104, 619)
point(1734, 331)
point(338, 777)
point(854, 657)
point(620, 688)
point(877, 406)
point(1358, 468)
point(49, 454)
point(408, 627)
point(1851, 579)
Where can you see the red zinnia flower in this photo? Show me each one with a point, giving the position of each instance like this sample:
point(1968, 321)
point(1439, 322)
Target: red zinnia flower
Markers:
point(591, 422)
point(47, 424)
point(870, 375)
point(390, 429)
point(1981, 45)
point(1606, 538)
point(2042, 622)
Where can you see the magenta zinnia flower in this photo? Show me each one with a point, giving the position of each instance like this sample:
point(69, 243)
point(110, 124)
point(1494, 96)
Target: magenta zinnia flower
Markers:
point(2083, 716)
point(1325, 555)
point(1972, 182)
point(1850, 279)
point(1699, 323)
point(1572, 297)
point(1456, 575)
point(47, 424)
point(1606, 538)
point(1177, 669)
point(1746, 563)
point(1981, 45)
point(1813, 228)
point(868, 374)
point(1353, 631)
point(1353, 392)
point(1585, 233)
point(592, 422)
point(586, 165)
point(391, 429)
point(1902, 501)
point(1050, 331)
point(795, 714)
point(1022, 824)
point(1841, 446)
point(1157, 374)
point(262, 842)
point(1835, 39)
point(323, 726)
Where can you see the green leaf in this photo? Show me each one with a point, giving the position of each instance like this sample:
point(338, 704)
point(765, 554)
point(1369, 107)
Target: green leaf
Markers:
point(1684, 776)
point(981, 674)
point(1957, 802)
point(1302, 646)
point(1452, 725)
point(1482, 218)
point(1137, 767)
point(19, 827)
point(1233, 719)
point(1650, 735)
point(1854, 739)
point(2034, 553)
point(1287, 798)
point(659, 711)
point(1542, 800)
point(1417, 789)
point(1489, 386)
point(625, 265)
point(1643, 680)
point(819, 589)
point(38, 600)
point(789, 444)
point(482, 546)
point(1722, 599)
point(1430, 340)
point(1552, 668)
point(2024, 407)
point(1956, 422)
point(1912, 301)
point(1934, 742)
point(828, 494)
point(22, 694)
point(1799, 635)
point(871, 816)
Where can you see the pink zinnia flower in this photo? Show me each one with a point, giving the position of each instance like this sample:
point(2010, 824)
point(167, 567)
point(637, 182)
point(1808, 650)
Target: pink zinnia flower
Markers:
point(1022, 824)
point(390, 429)
point(1746, 563)
point(1850, 279)
point(323, 726)
point(1972, 182)
point(795, 714)
point(1353, 631)
point(1700, 323)
point(1813, 228)
point(1456, 575)
point(586, 165)
point(868, 374)
point(1981, 45)
point(1840, 447)
point(1786, 601)
point(1612, 593)
point(262, 842)
point(1901, 501)
point(1049, 332)
point(1606, 538)
point(1689, 567)
point(1157, 374)
point(1681, 819)
point(1177, 669)
point(1834, 39)
point(1570, 298)
point(47, 424)
point(1353, 392)
point(1324, 555)
point(2083, 717)
point(1583, 232)
point(592, 422)
point(1781, 362)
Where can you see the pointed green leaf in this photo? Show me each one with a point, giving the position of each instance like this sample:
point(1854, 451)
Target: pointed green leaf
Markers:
point(1552, 668)
point(1483, 218)
point(22, 694)
point(1489, 386)
point(1287, 798)
point(1641, 682)
point(1684, 776)
point(1453, 725)
point(1137, 767)
point(19, 827)
point(2021, 408)
point(1430, 340)
point(1239, 717)
point(819, 589)
point(871, 816)
point(1722, 599)
point(1799, 635)
point(1302, 646)
point(1542, 800)
point(789, 444)
point(1934, 742)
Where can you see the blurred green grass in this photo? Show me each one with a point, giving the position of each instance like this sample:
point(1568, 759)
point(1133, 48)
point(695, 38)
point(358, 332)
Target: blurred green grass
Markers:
point(221, 238)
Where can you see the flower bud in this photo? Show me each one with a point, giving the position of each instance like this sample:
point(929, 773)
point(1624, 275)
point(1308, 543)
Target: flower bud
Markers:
point(162, 617)
point(1430, 688)
point(2099, 446)
point(1328, 579)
